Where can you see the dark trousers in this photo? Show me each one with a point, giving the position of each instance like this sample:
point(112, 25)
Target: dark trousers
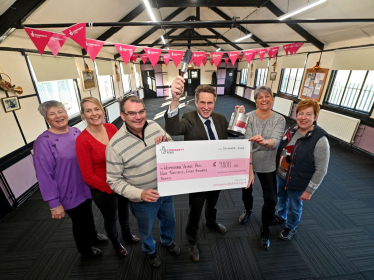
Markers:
point(112, 206)
point(83, 226)
point(196, 202)
point(269, 189)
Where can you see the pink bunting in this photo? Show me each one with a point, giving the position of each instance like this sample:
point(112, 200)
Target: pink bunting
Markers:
point(205, 60)
point(56, 42)
point(166, 59)
point(234, 56)
point(40, 38)
point(144, 58)
point(261, 53)
point(125, 51)
point(93, 47)
point(153, 54)
point(226, 59)
point(289, 48)
point(216, 57)
point(298, 46)
point(249, 55)
point(134, 57)
point(241, 57)
point(198, 57)
point(273, 51)
point(176, 56)
point(77, 33)
point(211, 62)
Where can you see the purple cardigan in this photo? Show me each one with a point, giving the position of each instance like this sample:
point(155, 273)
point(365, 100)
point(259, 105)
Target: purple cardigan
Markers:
point(57, 169)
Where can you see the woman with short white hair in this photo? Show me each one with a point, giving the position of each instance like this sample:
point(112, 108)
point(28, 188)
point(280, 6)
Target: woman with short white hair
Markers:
point(60, 179)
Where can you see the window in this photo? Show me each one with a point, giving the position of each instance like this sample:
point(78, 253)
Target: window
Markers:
point(137, 78)
point(65, 91)
point(351, 89)
point(291, 81)
point(106, 88)
point(126, 83)
point(261, 75)
point(243, 76)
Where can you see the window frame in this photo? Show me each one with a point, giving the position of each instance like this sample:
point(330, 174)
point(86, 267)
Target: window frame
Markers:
point(106, 101)
point(344, 108)
point(293, 87)
point(257, 75)
point(241, 76)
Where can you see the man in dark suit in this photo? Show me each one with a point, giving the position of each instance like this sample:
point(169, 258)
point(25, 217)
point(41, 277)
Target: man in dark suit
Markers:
point(202, 124)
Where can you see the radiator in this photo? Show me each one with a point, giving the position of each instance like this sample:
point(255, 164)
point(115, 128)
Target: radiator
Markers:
point(338, 125)
point(240, 91)
point(112, 112)
point(282, 106)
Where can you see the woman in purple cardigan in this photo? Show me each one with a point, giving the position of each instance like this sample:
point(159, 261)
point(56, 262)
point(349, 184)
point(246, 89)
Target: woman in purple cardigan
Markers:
point(60, 180)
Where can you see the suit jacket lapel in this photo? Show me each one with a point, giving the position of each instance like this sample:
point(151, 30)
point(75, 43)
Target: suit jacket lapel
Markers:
point(218, 127)
point(201, 127)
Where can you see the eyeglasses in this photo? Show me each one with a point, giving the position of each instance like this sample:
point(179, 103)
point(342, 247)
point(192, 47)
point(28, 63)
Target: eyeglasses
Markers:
point(308, 115)
point(133, 114)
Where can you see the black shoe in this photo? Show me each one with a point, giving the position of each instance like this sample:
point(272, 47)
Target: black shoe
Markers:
point(174, 249)
point(131, 238)
point(244, 216)
point(287, 234)
point(194, 252)
point(101, 238)
point(121, 250)
point(92, 253)
point(278, 220)
point(154, 259)
point(217, 227)
point(265, 241)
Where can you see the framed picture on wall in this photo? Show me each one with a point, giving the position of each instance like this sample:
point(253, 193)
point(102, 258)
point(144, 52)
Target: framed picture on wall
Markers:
point(88, 79)
point(11, 103)
point(273, 76)
point(313, 83)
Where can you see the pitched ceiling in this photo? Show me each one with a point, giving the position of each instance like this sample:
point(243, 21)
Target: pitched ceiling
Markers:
point(74, 11)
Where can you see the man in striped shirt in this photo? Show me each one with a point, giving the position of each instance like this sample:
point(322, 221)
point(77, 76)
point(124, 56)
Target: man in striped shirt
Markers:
point(132, 173)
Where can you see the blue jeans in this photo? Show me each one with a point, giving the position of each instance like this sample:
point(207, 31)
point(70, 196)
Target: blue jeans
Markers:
point(290, 206)
point(146, 213)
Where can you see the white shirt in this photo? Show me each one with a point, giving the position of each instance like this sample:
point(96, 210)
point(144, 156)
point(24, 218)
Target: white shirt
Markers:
point(176, 110)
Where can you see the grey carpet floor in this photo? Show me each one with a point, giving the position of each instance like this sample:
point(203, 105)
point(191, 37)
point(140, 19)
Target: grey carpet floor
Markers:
point(335, 239)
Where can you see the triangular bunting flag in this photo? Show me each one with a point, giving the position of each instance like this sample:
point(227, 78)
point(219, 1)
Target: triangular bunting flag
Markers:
point(134, 57)
point(261, 53)
point(234, 56)
point(144, 58)
point(166, 59)
point(292, 48)
point(249, 55)
point(216, 57)
point(241, 57)
point(176, 56)
point(198, 57)
point(77, 33)
point(287, 48)
point(226, 59)
point(40, 38)
point(93, 47)
point(273, 51)
point(153, 54)
point(211, 62)
point(205, 60)
point(298, 46)
point(56, 42)
point(125, 51)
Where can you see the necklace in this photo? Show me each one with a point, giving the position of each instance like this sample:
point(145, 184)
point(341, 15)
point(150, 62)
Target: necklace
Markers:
point(100, 136)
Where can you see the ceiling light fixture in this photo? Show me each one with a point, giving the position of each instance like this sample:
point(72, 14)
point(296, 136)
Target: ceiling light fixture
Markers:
point(149, 9)
point(217, 50)
point(163, 40)
point(301, 9)
point(244, 37)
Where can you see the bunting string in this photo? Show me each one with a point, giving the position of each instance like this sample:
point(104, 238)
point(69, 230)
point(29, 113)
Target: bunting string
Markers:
point(77, 33)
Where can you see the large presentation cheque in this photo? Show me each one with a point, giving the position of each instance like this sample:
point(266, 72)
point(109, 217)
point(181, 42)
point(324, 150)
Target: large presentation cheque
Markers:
point(198, 166)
